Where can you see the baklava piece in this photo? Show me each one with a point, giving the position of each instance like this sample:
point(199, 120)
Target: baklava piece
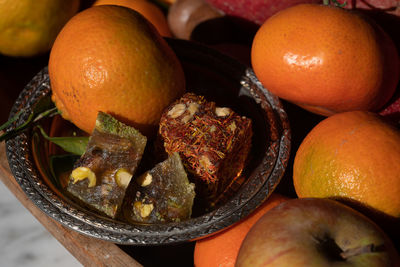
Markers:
point(162, 194)
point(101, 176)
point(213, 143)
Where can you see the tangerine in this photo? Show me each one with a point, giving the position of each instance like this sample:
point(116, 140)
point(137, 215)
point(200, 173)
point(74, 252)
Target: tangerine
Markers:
point(325, 59)
point(29, 28)
point(111, 59)
point(149, 10)
point(222, 248)
point(352, 156)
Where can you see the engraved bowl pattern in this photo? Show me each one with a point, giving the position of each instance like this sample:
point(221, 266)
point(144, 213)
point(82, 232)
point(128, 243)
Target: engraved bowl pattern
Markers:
point(262, 179)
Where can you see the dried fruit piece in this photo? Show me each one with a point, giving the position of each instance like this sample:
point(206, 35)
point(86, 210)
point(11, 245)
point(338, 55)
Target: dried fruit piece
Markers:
point(213, 143)
point(111, 158)
point(162, 194)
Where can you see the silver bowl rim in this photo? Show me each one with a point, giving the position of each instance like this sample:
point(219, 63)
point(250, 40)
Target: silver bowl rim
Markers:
point(265, 178)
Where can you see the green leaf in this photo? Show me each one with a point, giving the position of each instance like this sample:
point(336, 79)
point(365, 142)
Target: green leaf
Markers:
point(10, 121)
point(74, 144)
point(335, 3)
point(43, 108)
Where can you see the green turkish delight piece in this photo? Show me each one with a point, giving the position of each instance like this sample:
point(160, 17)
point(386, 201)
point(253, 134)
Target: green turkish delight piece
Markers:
point(101, 176)
point(162, 194)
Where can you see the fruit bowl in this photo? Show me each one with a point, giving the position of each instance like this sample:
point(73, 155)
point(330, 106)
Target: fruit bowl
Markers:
point(216, 76)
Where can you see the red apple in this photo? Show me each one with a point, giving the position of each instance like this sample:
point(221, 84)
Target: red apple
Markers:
point(316, 232)
point(387, 6)
point(256, 11)
point(392, 110)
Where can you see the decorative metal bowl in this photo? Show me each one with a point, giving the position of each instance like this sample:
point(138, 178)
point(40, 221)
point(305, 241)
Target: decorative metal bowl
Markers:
point(209, 73)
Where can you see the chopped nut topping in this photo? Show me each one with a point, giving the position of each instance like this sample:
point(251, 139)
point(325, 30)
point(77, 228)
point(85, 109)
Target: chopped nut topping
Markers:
point(213, 128)
point(186, 118)
point(205, 162)
point(232, 126)
point(193, 107)
point(177, 110)
point(123, 177)
point(144, 209)
point(82, 173)
point(222, 112)
point(145, 179)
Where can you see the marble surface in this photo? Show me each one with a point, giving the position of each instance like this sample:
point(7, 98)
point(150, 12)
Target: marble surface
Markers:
point(24, 241)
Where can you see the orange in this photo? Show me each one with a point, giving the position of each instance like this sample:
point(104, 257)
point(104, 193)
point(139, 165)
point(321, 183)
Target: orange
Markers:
point(325, 59)
point(149, 10)
point(222, 248)
point(111, 59)
point(29, 28)
point(352, 156)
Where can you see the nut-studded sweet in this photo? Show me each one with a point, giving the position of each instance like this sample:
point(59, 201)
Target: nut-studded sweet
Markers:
point(162, 194)
point(101, 176)
point(212, 141)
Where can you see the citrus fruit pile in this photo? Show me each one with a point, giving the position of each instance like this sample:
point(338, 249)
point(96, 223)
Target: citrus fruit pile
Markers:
point(323, 59)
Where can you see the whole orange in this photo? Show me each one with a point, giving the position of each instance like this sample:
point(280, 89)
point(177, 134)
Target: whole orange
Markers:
point(325, 59)
point(149, 10)
point(29, 28)
point(222, 248)
point(111, 59)
point(352, 156)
